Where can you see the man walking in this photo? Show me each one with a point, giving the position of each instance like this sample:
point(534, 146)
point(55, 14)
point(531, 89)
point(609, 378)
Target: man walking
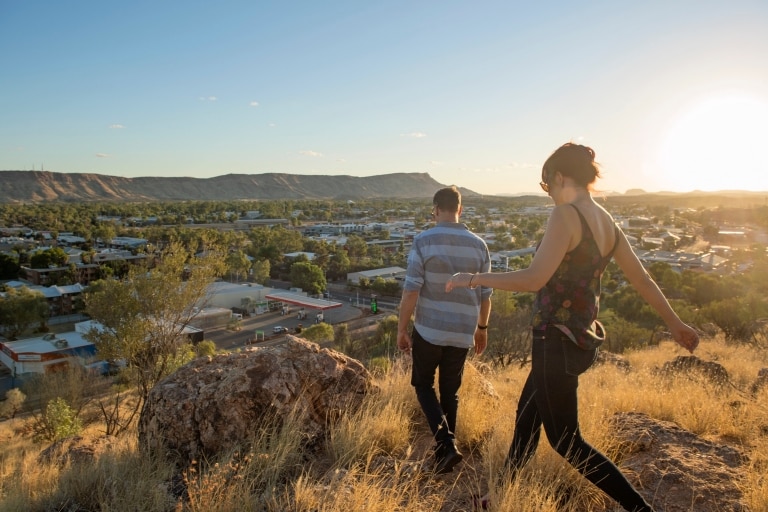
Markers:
point(446, 325)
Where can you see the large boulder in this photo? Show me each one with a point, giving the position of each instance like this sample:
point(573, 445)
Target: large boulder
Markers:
point(676, 470)
point(215, 404)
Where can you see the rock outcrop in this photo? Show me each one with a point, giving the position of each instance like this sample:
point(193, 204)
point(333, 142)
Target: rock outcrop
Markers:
point(676, 470)
point(215, 404)
point(77, 450)
point(761, 381)
point(693, 366)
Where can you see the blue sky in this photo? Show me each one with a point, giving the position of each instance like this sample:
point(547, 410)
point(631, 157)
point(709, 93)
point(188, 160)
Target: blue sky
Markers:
point(672, 95)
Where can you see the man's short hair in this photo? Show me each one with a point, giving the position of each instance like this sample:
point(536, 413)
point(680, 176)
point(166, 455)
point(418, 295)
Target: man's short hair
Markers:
point(448, 199)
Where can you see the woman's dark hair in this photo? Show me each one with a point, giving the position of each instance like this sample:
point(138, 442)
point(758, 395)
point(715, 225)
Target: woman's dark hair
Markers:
point(448, 199)
point(574, 161)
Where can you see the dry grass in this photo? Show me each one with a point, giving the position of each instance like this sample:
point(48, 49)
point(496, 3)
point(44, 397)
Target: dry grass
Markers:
point(372, 459)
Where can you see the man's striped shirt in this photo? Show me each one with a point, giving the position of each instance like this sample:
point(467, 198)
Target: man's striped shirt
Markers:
point(446, 319)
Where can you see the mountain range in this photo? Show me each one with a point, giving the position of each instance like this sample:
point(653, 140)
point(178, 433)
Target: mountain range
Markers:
point(42, 186)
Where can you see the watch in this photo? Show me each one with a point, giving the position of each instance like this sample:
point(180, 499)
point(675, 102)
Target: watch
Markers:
point(482, 327)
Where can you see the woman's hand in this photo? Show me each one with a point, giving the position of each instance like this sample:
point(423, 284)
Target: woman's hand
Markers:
point(686, 337)
point(459, 280)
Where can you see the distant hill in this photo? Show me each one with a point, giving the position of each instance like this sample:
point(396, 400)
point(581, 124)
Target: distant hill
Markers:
point(40, 186)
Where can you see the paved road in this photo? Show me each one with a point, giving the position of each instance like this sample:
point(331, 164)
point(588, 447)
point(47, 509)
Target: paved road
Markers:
point(228, 340)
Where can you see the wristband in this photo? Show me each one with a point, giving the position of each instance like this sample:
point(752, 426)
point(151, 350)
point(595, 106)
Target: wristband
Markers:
point(482, 327)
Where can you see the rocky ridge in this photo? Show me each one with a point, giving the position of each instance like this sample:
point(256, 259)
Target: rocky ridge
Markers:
point(41, 186)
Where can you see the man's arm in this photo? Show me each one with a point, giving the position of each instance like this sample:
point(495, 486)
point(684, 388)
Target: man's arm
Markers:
point(481, 335)
point(407, 307)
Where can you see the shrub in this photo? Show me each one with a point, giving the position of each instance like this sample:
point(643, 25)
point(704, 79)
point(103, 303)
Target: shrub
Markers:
point(58, 421)
point(14, 399)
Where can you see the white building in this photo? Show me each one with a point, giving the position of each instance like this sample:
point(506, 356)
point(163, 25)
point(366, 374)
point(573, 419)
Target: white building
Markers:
point(384, 273)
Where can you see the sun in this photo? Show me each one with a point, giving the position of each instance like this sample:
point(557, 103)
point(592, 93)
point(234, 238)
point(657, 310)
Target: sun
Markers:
point(717, 144)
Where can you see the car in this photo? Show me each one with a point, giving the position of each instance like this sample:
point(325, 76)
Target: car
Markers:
point(279, 329)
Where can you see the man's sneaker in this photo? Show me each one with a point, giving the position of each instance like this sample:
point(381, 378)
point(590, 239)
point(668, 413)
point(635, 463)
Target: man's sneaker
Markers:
point(446, 457)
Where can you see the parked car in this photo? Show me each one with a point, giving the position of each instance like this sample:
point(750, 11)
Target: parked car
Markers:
point(279, 329)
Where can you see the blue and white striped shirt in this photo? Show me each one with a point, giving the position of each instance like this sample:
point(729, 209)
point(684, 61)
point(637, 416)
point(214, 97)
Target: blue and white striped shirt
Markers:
point(446, 319)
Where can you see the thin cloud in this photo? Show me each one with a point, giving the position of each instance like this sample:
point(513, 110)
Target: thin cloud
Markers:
point(254, 104)
point(307, 152)
point(414, 135)
point(116, 126)
point(103, 155)
point(208, 98)
point(435, 163)
point(522, 165)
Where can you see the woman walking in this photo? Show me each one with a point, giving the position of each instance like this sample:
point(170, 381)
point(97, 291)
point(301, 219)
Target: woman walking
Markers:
point(579, 241)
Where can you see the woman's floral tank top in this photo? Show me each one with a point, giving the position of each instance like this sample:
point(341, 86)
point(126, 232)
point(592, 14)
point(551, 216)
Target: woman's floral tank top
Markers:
point(571, 298)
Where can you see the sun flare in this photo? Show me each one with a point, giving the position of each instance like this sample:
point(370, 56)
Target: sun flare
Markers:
point(717, 144)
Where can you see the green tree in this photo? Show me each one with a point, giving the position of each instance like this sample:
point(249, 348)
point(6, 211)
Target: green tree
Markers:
point(20, 309)
point(260, 270)
point(319, 333)
point(143, 317)
point(339, 265)
point(385, 338)
point(341, 339)
point(205, 348)
point(104, 233)
point(9, 267)
point(357, 248)
point(388, 287)
point(736, 317)
point(622, 335)
point(55, 256)
point(508, 328)
point(238, 264)
point(308, 277)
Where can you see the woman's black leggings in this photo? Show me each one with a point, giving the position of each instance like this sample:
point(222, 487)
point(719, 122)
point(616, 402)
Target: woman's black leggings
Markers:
point(549, 399)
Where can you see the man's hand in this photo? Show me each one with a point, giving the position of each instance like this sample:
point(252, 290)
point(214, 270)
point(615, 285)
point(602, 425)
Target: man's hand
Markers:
point(481, 340)
point(404, 342)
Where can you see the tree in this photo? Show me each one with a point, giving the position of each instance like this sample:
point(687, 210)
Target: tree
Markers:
point(386, 286)
point(341, 339)
point(736, 317)
point(238, 264)
point(20, 309)
point(104, 233)
point(319, 333)
point(357, 248)
point(308, 277)
point(260, 269)
point(205, 348)
point(143, 317)
point(54, 256)
point(385, 339)
point(509, 328)
point(339, 265)
point(9, 267)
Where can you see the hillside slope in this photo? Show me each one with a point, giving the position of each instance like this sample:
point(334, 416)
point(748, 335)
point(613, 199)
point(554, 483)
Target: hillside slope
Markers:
point(39, 186)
